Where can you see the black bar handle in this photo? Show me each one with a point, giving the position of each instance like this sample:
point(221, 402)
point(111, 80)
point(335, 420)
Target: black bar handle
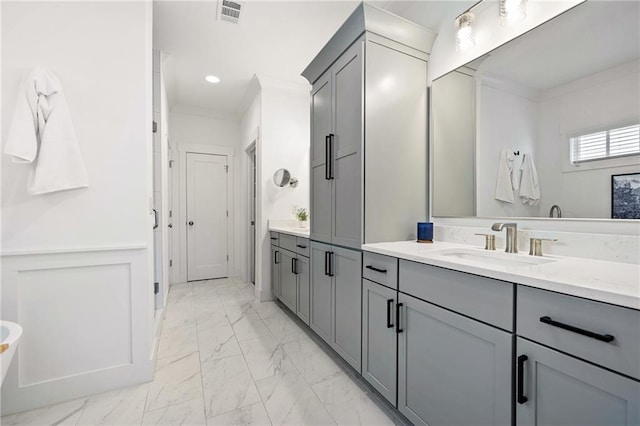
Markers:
point(608, 338)
point(327, 159)
point(274, 238)
point(275, 257)
point(156, 223)
point(293, 265)
point(331, 263)
point(521, 397)
point(389, 307)
point(373, 268)
point(398, 310)
point(326, 263)
point(300, 246)
point(331, 136)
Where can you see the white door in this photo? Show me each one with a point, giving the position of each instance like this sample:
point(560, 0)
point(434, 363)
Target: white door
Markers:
point(206, 216)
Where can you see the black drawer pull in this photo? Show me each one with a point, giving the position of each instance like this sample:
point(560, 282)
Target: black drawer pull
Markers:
point(602, 337)
point(521, 397)
point(274, 238)
point(373, 268)
point(398, 310)
point(389, 307)
point(301, 246)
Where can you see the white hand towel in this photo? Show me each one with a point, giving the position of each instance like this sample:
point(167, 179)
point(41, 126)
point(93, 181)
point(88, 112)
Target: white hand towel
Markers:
point(529, 188)
point(504, 185)
point(42, 132)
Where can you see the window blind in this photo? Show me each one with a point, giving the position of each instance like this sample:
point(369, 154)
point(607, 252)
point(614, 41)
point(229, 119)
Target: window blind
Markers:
point(618, 142)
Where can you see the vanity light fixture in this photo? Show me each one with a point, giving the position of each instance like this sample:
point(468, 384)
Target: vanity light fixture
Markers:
point(465, 38)
point(464, 32)
point(512, 11)
point(212, 79)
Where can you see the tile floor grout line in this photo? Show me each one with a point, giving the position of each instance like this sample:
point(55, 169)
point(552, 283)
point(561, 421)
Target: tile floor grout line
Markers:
point(204, 403)
point(247, 365)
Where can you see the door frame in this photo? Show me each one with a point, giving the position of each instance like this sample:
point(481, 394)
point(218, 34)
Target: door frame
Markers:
point(180, 206)
point(252, 173)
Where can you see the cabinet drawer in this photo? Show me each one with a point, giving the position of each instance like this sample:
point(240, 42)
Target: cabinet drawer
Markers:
point(621, 354)
point(478, 297)
point(302, 246)
point(288, 242)
point(275, 238)
point(380, 269)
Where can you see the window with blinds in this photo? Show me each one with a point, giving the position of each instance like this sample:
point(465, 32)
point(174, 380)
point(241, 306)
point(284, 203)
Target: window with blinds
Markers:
point(619, 142)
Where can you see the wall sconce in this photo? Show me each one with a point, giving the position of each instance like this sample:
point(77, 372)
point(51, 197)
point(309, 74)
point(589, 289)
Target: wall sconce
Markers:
point(465, 39)
point(512, 11)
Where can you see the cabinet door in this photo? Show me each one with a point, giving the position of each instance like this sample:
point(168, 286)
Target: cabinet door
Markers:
point(347, 148)
point(562, 390)
point(379, 338)
point(347, 299)
point(321, 185)
point(275, 271)
point(304, 288)
point(452, 370)
point(288, 280)
point(321, 310)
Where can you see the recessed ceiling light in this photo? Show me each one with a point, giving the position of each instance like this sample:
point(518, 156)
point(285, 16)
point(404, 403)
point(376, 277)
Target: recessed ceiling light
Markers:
point(212, 79)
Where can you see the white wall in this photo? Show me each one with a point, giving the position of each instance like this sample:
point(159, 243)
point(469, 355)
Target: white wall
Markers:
point(504, 110)
point(249, 133)
point(604, 100)
point(279, 116)
point(206, 129)
point(65, 253)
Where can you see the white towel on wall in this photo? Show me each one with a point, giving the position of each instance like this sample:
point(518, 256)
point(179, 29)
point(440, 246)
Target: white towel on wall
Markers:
point(504, 180)
point(42, 133)
point(529, 187)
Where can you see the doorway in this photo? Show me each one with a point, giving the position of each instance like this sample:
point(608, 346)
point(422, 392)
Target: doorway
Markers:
point(252, 191)
point(207, 216)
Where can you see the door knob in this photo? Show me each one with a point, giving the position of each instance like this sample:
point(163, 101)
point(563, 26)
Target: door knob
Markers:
point(171, 225)
point(190, 223)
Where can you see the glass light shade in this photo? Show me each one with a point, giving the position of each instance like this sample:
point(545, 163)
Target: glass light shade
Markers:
point(464, 32)
point(512, 11)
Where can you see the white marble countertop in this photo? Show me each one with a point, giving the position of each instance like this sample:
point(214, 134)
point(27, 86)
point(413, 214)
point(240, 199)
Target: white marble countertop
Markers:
point(291, 230)
point(610, 282)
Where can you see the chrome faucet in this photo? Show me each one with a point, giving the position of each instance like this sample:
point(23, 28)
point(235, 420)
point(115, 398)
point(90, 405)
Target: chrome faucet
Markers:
point(512, 235)
point(556, 208)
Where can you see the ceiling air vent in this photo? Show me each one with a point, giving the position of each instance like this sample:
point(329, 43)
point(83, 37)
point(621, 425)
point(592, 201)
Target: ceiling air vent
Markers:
point(229, 11)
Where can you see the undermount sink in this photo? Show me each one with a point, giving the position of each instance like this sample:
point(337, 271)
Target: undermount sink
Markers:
point(492, 258)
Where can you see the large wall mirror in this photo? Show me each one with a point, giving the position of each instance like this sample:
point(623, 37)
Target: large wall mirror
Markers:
point(563, 98)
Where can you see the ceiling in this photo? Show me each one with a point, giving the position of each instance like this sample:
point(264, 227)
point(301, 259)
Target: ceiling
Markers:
point(277, 39)
point(590, 38)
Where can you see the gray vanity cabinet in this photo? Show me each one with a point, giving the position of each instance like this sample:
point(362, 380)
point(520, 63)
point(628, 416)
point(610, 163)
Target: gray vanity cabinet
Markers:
point(336, 299)
point(321, 300)
point(379, 338)
point(321, 184)
point(275, 271)
point(369, 83)
point(336, 111)
point(304, 288)
point(288, 280)
point(557, 389)
point(451, 369)
point(346, 268)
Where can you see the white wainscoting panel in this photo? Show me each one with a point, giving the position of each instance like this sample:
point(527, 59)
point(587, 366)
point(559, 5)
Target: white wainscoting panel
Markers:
point(86, 323)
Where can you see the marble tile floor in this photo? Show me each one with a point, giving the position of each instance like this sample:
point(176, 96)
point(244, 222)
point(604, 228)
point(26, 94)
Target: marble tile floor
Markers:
point(224, 358)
